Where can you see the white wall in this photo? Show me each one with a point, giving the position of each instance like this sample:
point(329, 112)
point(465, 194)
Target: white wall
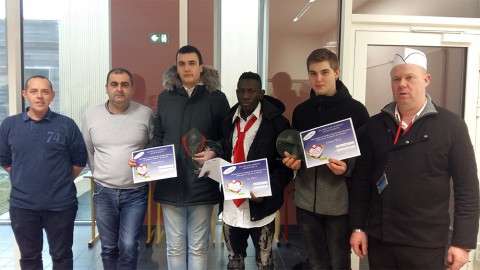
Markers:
point(440, 8)
point(289, 52)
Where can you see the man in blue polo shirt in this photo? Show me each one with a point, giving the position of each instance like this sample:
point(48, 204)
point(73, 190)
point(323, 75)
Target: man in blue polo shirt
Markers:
point(43, 151)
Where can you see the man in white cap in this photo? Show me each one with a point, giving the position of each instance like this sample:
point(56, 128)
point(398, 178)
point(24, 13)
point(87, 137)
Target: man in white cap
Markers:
point(400, 187)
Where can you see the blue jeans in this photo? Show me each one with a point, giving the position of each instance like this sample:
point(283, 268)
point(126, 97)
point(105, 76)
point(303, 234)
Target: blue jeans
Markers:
point(119, 214)
point(28, 226)
point(326, 238)
point(187, 226)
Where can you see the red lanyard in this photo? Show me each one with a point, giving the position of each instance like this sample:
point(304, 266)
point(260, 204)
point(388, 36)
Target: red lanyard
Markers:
point(398, 131)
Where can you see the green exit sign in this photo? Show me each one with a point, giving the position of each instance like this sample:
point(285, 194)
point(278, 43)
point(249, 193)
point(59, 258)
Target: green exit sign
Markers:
point(159, 38)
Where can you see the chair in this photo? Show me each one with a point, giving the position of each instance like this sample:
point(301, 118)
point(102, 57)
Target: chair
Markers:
point(213, 229)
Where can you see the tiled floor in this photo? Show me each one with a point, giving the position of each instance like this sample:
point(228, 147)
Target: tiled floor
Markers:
point(153, 257)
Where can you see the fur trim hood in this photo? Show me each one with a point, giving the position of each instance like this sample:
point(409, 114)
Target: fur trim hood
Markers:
point(210, 78)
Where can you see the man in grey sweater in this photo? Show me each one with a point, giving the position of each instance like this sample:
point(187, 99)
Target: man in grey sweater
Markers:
point(112, 130)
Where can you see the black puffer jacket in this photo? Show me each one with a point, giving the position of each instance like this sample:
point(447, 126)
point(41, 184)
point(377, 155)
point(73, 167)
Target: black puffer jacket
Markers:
point(177, 114)
point(264, 146)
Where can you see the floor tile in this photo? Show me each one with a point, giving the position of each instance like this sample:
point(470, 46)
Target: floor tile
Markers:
point(153, 257)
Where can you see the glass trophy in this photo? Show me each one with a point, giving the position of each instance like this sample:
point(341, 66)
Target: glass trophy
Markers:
point(289, 141)
point(194, 143)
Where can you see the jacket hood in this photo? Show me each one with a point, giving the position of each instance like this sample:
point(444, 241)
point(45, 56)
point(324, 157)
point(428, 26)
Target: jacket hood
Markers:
point(276, 103)
point(209, 77)
point(271, 108)
point(331, 101)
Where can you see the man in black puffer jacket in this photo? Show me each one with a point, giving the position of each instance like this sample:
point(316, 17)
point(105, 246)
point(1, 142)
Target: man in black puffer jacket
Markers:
point(191, 99)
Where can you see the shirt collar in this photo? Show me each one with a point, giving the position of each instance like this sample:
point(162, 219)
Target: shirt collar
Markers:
point(256, 112)
point(190, 90)
point(108, 109)
point(397, 114)
point(106, 106)
point(27, 117)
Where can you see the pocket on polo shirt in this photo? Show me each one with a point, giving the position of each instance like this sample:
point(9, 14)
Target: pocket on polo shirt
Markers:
point(56, 138)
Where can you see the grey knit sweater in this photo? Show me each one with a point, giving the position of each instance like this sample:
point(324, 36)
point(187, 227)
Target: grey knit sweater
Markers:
point(111, 139)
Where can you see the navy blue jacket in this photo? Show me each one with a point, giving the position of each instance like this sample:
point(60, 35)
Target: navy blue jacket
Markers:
point(413, 209)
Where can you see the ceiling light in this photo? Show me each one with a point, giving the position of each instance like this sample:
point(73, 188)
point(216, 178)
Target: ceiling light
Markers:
point(304, 9)
point(331, 44)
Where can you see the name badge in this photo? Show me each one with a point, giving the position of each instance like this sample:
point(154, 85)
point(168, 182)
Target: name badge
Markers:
point(382, 183)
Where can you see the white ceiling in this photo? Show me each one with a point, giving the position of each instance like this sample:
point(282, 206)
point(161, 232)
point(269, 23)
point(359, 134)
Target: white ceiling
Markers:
point(319, 18)
point(323, 14)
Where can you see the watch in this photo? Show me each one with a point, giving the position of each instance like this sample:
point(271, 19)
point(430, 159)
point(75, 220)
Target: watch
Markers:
point(358, 230)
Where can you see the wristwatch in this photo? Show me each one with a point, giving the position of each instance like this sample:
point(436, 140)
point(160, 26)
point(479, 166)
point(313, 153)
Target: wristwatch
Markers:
point(358, 230)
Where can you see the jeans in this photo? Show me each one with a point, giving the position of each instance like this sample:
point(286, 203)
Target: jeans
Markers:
point(236, 243)
point(28, 226)
point(119, 214)
point(326, 238)
point(186, 230)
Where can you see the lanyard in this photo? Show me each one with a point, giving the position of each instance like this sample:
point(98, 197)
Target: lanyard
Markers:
point(398, 131)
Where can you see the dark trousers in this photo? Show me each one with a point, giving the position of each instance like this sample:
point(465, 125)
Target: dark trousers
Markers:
point(387, 256)
point(236, 243)
point(326, 239)
point(28, 226)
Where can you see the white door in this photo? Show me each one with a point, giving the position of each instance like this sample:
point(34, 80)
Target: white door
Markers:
point(453, 61)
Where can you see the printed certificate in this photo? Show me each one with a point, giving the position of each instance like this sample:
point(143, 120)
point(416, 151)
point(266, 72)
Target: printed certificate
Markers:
point(336, 140)
point(154, 164)
point(240, 178)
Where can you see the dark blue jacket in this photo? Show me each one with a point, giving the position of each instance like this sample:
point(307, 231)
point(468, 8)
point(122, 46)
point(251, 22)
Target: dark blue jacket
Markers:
point(413, 209)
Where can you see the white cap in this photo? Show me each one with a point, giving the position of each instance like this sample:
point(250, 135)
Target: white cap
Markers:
point(410, 56)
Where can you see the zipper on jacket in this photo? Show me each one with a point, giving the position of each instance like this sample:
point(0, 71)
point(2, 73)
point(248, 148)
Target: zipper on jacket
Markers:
point(315, 191)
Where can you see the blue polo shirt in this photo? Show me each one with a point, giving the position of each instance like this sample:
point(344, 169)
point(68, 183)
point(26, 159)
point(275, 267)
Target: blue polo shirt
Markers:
point(41, 155)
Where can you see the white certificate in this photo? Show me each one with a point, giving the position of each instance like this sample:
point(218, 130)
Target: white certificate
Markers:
point(336, 140)
point(240, 179)
point(154, 164)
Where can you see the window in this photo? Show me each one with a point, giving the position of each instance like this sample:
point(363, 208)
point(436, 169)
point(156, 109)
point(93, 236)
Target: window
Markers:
point(67, 42)
point(4, 177)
